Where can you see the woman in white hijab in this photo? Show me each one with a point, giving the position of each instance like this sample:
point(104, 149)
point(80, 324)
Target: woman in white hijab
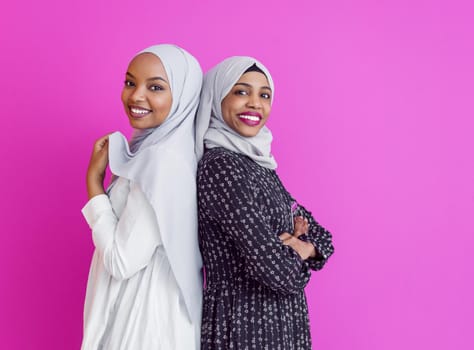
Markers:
point(258, 244)
point(145, 286)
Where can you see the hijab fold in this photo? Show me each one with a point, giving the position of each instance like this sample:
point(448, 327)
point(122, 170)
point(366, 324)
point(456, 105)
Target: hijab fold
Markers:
point(211, 129)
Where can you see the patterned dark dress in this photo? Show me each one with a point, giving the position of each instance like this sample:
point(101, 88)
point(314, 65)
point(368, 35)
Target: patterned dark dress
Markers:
point(254, 296)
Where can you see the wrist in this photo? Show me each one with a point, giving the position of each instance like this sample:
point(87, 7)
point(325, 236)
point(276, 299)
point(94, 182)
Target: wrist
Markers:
point(95, 175)
point(93, 191)
point(95, 185)
point(311, 250)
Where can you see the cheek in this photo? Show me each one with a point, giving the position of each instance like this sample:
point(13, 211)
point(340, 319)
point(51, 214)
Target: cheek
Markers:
point(267, 110)
point(124, 96)
point(227, 115)
point(168, 104)
point(163, 104)
point(229, 105)
point(225, 110)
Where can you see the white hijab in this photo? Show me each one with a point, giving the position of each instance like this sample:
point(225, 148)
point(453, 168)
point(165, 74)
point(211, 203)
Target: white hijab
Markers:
point(211, 129)
point(163, 163)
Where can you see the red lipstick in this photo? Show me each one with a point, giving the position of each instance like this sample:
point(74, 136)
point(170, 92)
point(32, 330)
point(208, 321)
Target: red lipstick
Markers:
point(250, 118)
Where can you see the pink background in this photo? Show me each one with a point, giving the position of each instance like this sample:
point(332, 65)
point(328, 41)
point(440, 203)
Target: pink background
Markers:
point(373, 124)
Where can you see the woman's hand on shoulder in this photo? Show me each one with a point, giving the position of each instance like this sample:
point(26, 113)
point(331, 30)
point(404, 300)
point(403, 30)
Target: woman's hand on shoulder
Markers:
point(97, 165)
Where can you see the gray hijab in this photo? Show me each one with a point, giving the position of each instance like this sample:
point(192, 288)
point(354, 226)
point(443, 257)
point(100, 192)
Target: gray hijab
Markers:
point(211, 129)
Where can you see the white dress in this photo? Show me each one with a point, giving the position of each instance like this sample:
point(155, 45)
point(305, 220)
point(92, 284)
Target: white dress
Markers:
point(132, 300)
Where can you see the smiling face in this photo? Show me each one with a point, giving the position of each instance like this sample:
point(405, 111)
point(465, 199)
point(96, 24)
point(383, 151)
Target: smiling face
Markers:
point(247, 106)
point(146, 95)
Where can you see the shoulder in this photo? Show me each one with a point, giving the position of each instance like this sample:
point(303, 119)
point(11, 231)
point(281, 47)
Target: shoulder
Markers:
point(173, 158)
point(222, 160)
point(223, 168)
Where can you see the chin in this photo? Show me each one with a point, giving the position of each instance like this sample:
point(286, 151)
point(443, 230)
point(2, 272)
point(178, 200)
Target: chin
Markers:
point(136, 125)
point(248, 133)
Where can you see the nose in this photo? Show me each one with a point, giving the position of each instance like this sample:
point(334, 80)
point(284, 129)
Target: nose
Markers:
point(254, 101)
point(138, 95)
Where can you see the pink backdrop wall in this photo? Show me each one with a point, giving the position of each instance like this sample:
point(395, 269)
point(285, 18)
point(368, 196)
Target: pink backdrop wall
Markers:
point(373, 131)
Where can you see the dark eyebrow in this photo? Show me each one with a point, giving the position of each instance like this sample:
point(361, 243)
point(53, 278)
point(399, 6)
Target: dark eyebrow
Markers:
point(250, 86)
point(150, 79)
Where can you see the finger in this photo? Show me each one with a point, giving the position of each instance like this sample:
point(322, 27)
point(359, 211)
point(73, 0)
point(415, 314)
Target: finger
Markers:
point(298, 219)
point(298, 222)
point(306, 225)
point(299, 233)
point(284, 236)
point(101, 142)
point(300, 228)
point(105, 147)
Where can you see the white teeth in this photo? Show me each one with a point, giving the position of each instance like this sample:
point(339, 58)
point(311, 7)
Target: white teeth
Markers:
point(250, 117)
point(139, 110)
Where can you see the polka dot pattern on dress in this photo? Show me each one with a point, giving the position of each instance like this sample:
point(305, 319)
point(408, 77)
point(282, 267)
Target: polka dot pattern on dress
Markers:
point(254, 296)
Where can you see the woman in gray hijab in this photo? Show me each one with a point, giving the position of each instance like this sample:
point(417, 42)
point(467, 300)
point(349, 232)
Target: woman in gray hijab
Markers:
point(145, 282)
point(258, 244)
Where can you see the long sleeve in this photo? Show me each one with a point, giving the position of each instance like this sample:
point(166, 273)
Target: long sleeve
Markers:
point(319, 237)
point(230, 201)
point(127, 242)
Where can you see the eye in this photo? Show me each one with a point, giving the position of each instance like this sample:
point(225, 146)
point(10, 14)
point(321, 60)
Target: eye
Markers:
point(156, 88)
point(129, 83)
point(266, 96)
point(241, 92)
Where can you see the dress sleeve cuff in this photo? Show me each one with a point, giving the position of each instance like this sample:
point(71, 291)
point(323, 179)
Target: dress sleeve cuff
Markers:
point(322, 254)
point(95, 207)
